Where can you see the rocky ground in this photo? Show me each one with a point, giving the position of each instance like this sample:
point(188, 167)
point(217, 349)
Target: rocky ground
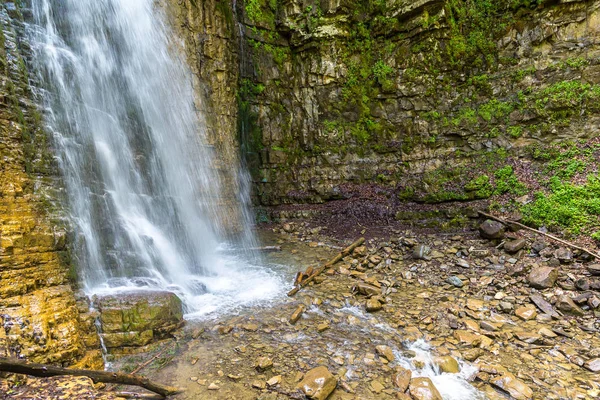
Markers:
point(513, 314)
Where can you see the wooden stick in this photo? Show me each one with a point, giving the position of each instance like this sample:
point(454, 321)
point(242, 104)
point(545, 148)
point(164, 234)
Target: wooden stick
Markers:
point(328, 264)
point(41, 370)
point(520, 225)
point(131, 395)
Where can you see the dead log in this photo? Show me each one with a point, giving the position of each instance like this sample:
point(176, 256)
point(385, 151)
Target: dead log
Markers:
point(328, 264)
point(520, 225)
point(43, 371)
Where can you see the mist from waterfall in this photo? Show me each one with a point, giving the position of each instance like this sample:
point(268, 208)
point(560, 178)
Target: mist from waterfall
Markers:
point(143, 191)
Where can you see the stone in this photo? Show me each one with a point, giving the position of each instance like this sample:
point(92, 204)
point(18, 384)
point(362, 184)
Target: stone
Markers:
point(472, 354)
point(360, 251)
point(567, 305)
point(274, 380)
point(593, 365)
point(542, 277)
point(467, 338)
point(543, 305)
point(491, 229)
point(385, 352)
point(373, 305)
point(526, 313)
point(263, 363)
point(421, 252)
point(516, 388)
point(514, 246)
point(564, 255)
point(538, 246)
point(366, 289)
point(318, 383)
point(447, 364)
point(423, 389)
point(528, 337)
point(401, 378)
point(377, 387)
point(594, 269)
point(455, 281)
point(213, 386)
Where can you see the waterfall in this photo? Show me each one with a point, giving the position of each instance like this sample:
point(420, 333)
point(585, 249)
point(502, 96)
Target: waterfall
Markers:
point(139, 172)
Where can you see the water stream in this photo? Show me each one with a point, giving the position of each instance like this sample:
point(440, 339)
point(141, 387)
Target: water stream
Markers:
point(143, 192)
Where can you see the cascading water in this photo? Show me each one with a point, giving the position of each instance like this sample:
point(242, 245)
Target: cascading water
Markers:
point(138, 170)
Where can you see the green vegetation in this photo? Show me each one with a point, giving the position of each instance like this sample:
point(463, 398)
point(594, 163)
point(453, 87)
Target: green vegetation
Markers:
point(570, 206)
point(507, 182)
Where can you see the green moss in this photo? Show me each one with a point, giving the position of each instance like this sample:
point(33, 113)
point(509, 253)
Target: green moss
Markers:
point(507, 182)
point(514, 131)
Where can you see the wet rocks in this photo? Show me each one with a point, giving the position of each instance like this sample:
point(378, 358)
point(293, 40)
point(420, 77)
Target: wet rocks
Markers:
point(542, 277)
point(263, 364)
point(423, 389)
point(373, 305)
point(401, 378)
point(491, 229)
point(385, 352)
point(318, 383)
point(447, 364)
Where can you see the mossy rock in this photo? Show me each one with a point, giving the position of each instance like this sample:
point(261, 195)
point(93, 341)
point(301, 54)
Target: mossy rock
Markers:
point(130, 316)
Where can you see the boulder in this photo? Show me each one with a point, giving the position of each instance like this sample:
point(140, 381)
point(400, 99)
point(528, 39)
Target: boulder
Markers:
point(423, 389)
point(491, 230)
point(542, 277)
point(137, 318)
point(447, 364)
point(318, 383)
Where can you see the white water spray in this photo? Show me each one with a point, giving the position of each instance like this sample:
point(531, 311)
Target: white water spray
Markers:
point(139, 172)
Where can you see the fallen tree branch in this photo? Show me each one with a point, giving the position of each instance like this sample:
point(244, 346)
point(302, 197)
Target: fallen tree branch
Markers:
point(520, 225)
point(131, 395)
point(328, 264)
point(43, 371)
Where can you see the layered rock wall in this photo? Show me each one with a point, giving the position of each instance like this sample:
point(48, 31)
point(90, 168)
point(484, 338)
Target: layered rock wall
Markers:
point(40, 316)
point(428, 99)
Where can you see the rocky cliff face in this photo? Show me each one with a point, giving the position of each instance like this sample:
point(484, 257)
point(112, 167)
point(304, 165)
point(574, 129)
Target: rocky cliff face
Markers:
point(426, 98)
point(41, 317)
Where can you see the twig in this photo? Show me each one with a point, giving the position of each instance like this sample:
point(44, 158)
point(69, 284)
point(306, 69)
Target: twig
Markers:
point(144, 365)
point(520, 225)
point(328, 264)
